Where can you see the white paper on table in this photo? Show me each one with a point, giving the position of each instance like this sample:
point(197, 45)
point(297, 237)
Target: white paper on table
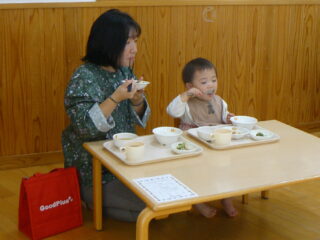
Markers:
point(165, 188)
point(42, 1)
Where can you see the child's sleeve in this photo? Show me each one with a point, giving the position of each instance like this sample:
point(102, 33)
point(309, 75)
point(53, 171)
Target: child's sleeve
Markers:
point(225, 111)
point(177, 108)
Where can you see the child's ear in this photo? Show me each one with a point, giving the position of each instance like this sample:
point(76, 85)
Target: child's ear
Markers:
point(188, 85)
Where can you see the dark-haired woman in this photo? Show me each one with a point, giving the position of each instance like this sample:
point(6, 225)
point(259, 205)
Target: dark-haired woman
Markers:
point(99, 105)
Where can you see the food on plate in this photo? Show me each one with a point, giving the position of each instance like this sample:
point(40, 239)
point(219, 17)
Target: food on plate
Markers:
point(184, 146)
point(260, 134)
point(181, 146)
point(235, 130)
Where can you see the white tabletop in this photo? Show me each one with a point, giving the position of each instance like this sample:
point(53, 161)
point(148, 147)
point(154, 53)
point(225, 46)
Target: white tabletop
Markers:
point(217, 174)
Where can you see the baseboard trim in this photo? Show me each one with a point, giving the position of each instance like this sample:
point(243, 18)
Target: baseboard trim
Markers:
point(29, 160)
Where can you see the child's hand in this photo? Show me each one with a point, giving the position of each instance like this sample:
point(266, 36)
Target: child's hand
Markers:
point(230, 115)
point(192, 92)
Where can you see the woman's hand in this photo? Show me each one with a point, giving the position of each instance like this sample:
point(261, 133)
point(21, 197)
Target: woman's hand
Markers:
point(137, 98)
point(122, 93)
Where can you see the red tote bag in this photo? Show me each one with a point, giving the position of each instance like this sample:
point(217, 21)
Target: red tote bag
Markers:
point(50, 203)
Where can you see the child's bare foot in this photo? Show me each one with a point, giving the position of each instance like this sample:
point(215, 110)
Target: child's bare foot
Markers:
point(206, 210)
point(228, 207)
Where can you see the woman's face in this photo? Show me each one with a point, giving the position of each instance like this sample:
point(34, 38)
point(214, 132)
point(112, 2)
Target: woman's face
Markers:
point(130, 50)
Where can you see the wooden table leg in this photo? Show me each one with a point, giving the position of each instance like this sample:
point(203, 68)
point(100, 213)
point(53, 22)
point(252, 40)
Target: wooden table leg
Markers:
point(265, 194)
point(142, 228)
point(245, 198)
point(97, 194)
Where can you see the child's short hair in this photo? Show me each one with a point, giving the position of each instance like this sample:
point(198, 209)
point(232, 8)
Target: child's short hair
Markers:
point(197, 64)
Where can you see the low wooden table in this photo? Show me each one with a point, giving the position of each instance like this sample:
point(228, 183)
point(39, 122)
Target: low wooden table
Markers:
point(215, 174)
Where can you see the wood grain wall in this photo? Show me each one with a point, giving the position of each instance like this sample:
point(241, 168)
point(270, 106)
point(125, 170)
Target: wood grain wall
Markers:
point(268, 61)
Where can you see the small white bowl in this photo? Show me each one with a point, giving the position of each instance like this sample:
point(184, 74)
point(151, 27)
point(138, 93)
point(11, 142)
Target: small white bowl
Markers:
point(140, 84)
point(121, 139)
point(238, 132)
point(183, 147)
point(167, 135)
point(261, 134)
point(205, 132)
point(244, 121)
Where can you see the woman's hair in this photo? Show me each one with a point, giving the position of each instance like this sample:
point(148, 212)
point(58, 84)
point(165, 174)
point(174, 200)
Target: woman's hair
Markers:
point(108, 38)
point(197, 64)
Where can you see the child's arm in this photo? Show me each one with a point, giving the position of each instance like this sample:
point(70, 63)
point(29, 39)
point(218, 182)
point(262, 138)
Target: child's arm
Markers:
point(177, 107)
point(225, 114)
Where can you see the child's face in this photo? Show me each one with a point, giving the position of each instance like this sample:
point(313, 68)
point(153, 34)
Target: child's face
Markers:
point(206, 81)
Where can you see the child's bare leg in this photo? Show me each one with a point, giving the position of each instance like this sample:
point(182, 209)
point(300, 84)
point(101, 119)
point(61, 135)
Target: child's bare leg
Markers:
point(206, 210)
point(228, 207)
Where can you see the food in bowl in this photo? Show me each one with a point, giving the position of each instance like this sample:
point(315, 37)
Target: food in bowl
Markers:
point(167, 135)
point(121, 139)
point(140, 84)
point(238, 132)
point(244, 121)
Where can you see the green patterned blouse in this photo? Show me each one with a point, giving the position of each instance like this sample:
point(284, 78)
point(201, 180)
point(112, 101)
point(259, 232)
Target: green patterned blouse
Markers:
point(89, 86)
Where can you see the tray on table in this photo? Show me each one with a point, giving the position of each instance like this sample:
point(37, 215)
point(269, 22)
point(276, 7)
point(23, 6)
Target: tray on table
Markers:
point(235, 143)
point(154, 151)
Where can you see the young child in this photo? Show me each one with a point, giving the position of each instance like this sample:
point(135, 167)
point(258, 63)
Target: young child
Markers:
point(200, 106)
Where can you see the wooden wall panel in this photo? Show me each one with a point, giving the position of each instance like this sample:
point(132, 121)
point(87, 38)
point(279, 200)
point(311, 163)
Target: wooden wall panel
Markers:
point(268, 61)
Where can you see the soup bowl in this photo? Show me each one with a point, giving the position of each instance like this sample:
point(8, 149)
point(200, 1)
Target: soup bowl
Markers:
point(121, 139)
point(244, 121)
point(167, 135)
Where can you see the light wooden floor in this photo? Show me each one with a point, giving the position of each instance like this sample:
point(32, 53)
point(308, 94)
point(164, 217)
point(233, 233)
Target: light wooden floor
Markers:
point(291, 213)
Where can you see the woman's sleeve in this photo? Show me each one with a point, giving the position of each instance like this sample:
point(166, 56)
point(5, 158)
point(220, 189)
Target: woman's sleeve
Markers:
point(142, 121)
point(177, 108)
point(82, 100)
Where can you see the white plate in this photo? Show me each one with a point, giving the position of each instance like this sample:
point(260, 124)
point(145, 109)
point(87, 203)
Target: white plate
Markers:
point(238, 132)
point(189, 147)
point(266, 134)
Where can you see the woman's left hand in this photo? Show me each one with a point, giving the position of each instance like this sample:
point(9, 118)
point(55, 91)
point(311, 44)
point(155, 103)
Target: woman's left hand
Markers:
point(138, 95)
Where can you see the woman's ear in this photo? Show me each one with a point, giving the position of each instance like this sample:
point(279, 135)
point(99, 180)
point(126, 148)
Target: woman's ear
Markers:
point(189, 85)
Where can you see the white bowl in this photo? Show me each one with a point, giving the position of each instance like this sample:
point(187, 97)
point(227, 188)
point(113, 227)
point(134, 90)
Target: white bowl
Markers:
point(238, 132)
point(140, 84)
point(183, 147)
point(121, 139)
point(205, 132)
point(167, 135)
point(244, 121)
point(261, 134)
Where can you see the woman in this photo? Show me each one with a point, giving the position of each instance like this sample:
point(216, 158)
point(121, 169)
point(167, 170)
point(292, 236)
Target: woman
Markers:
point(99, 105)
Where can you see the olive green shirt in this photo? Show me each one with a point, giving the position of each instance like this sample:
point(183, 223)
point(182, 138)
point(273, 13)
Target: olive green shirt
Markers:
point(89, 86)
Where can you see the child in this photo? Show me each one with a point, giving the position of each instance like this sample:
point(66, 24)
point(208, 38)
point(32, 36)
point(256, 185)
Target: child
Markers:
point(200, 106)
